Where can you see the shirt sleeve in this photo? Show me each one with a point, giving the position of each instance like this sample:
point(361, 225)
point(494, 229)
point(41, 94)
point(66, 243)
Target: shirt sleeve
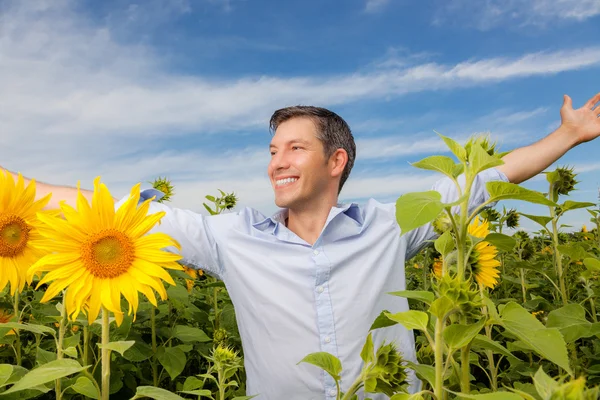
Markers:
point(193, 231)
point(420, 237)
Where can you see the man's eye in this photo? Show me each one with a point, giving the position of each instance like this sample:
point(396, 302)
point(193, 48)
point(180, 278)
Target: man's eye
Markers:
point(272, 153)
point(296, 148)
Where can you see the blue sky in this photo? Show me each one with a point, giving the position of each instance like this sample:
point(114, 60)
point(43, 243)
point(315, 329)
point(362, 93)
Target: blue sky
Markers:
point(185, 88)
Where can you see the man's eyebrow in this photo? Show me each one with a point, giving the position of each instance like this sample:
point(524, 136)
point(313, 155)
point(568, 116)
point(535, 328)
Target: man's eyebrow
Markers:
point(293, 141)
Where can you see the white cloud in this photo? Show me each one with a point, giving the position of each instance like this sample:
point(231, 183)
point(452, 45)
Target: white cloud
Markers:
point(373, 6)
point(489, 14)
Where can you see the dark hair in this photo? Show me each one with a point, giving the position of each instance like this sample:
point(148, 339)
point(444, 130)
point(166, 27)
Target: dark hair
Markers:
point(332, 131)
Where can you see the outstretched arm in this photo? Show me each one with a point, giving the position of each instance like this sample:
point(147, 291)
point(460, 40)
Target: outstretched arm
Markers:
point(577, 126)
point(59, 193)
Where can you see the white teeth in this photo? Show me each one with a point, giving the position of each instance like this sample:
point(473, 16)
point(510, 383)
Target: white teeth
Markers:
point(285, 181)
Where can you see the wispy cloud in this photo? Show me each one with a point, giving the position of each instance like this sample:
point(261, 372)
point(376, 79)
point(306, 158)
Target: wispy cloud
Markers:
point(489, 14)
point(373, 6)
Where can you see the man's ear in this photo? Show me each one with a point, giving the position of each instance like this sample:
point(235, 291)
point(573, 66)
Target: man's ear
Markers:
point(337, 162)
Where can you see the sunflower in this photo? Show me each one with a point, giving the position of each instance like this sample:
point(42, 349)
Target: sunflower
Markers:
point(99, 255)
point(438, 266)
point(192, 273)
point(19, 231)
point(483, 257)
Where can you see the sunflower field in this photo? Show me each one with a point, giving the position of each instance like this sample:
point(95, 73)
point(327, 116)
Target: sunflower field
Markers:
point(498, 312)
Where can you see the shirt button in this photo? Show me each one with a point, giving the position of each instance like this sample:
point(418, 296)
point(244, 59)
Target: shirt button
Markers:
point(316, 252)
point(327, 339)
point(332, 392)
point(320, 289)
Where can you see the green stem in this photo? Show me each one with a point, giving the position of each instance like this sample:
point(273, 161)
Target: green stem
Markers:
point(216, 306)
point(465, 366)
point(154, 366)
point(59, 345)
point(558, 257)
point(105, 355)
point(593, 309)
point(523, 288)
point(221, 384)
point(17, 333)
point(439, 359)
point(356, 385)
point(86, 346)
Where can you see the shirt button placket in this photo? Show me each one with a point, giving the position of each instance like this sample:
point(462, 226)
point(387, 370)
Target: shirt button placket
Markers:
point(325, 314)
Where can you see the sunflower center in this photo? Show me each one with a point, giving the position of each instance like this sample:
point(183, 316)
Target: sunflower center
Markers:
point(108, 254)
point(14, 234)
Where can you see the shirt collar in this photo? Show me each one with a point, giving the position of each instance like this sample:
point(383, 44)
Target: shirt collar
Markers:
point(351, 210)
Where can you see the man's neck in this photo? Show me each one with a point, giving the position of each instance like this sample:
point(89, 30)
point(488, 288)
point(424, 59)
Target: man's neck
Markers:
point(308, 223)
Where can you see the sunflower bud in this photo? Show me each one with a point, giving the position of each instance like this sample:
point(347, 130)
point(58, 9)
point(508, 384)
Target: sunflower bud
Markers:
point(220, 336)
point(460, 292)
point(229, 201)
point(224, 356)
point(490, 215)
point(386, 374)
point(575, 390)
point(484, 141)
point(562, 181)
point(165, 186)
point(524, 245)
point(512, 218)
point(442, 223)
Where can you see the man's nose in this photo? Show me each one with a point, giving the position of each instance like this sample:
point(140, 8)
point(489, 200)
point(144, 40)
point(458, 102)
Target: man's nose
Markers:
point(279, 160)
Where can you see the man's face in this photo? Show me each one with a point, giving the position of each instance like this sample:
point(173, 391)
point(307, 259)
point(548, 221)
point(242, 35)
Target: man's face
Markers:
point(298, 170)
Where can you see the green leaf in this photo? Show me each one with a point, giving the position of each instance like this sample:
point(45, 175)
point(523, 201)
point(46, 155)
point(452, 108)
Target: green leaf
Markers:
point(483, 342)
point(199, 392)
point(573, 251)
point(441, 306)
point(480, 160)
point(71, 352)
point(540, 219)
point(46, 373)
point(44, 356)
point(571, 322)
point(192, 383)
point(424, 371)
point(544, 385)
point(592, 264)
point(458, 150)
point(574, 205)
point(327, 362)
point(382, 321)
point(86, 387)
point(155, 393)
point(172, 359)
point(140, 351)
point(189, 334)
point(444, 244)
point(418, 208)
point(72, 341)
point(120, 347)
point(499, 190)
point(501, 241)
point(489, 396)
point(6, 371)
point(421, 295)
point(411, 319)
point(442, 164)
point(367, 351)
point(458, 335)
point(244, 397)
point(547, 342)
point(39, 329)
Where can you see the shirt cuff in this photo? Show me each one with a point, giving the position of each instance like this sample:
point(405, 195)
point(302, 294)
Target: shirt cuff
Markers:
point(144, 195)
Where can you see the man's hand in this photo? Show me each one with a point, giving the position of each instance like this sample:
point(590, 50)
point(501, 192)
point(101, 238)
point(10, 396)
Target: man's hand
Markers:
point(583, 123)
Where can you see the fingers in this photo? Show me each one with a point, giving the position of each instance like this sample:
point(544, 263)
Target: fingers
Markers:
point(567, 102)
point(592, 102)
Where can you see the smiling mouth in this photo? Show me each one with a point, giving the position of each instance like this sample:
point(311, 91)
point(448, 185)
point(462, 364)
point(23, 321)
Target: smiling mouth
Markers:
point(285, 182)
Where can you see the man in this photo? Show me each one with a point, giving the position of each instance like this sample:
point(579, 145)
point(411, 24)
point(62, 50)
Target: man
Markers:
point(315, 275)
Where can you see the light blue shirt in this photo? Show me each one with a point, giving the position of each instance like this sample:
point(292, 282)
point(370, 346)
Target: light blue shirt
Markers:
point(292, 299)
